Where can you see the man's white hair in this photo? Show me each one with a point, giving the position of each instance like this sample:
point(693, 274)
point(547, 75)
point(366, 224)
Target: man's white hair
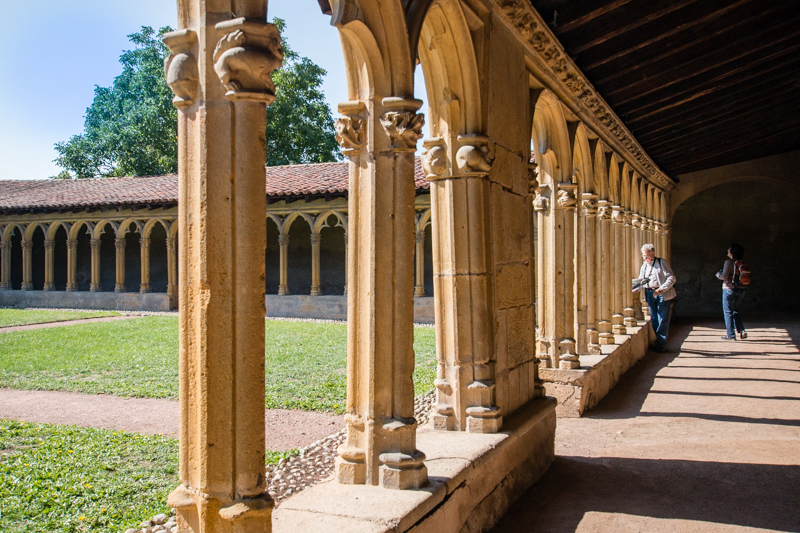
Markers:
point(648, 247)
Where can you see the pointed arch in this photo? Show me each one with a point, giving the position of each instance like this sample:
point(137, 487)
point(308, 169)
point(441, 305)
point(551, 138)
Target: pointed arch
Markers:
point(551, 140)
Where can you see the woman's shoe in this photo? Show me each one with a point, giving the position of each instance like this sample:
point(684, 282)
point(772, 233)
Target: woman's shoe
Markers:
point(743, 335)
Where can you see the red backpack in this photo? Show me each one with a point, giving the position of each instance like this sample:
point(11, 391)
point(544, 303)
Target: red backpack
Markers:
point(742, 275)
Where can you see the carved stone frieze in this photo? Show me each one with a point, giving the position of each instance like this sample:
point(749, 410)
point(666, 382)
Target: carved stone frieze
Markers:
point(636, 220)
point(245, 57)
point(350, 134)
point(533, 177)
point(526, 20)
point(604, 209)
point(434, 159)
point(402, 123)
point(474, 158)
point(180, 68)
point(617, 215)
point(589, 204)
point(566, 198)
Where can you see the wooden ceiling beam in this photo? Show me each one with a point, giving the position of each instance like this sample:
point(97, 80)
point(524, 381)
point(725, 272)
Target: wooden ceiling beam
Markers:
point(580, 21)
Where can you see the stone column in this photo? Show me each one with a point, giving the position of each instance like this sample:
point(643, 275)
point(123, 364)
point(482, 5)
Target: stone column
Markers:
point(380, 448)
point(48, 265)
point(315, 242)
point(628, 312)
point(95, 283)
point(219, 70)
point(564, 275)
point(119, 244)
point(144, 285)
point(283, 284)
point(27, 268)
point(636, 256)
point(617, 270)
point(545, 346)
point(172, 279)
point(419, 256)
point(604, 270)
point(589, 277)
point(345, 264)
point(666, 245)
point(466, 396)
point(5, 281)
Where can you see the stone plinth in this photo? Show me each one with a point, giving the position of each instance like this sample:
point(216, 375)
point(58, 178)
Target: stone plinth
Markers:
point(474, 478)
point(332, 307)
point(582, 388)
point(127, 301)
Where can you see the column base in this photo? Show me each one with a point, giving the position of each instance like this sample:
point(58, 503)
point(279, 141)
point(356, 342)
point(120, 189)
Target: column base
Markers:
point(27, 287)
point(443, 422)
point(351, 466)
point(629, 319)
point(315, 291)
point(49, 287)
point(93, 288)
point(419, 292)
point(402, 471)
point(617, 324)
point(569, 362)
point(245, 514)
point(283, 290)
point(144, 288)
point(484, 419)
point(119, 288)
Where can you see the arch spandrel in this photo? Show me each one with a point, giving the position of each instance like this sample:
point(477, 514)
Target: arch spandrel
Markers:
point(9, 230)
point(636, 182)
point(290, 219)
point(53, 229)
point(626, 186)
point(131, 225)
point(31, 229)
point(148, 226)
point(76, 226)
point(600, 166)
point(423, 219)
point(614, 180)
point(321, 221)
point(100, 226)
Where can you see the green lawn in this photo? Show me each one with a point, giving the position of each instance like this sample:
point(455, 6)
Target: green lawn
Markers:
point(305, 361)
point(23, 317)
point(66, 478)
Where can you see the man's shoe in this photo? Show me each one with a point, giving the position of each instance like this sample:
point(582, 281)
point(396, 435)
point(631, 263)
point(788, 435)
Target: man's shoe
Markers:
point(743, 335)
point(726, 338)
point(659, 349)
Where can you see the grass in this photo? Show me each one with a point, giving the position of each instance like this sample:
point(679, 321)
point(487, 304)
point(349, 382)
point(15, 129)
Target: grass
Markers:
point(24, 317)
point(305, 361)
point(70, 479)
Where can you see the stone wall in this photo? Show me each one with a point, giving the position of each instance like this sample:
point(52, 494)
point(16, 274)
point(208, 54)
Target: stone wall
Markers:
point(762, 216)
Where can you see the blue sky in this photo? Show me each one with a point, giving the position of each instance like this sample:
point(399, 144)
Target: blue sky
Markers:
point(56, 51)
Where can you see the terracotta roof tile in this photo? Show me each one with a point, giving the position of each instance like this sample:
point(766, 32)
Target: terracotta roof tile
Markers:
point(281, 182)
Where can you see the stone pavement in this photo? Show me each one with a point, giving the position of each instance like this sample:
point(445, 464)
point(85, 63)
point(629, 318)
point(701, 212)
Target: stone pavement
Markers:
point(703, 439)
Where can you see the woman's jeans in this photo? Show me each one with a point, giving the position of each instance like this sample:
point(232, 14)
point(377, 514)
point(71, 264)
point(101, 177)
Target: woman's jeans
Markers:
point(731, 299)
point(659, 316)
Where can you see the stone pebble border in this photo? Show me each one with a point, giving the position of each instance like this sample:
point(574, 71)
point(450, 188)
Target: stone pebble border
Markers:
point(290, 476)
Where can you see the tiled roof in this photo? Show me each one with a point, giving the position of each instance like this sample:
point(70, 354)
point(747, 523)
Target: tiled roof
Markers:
point(281, 182)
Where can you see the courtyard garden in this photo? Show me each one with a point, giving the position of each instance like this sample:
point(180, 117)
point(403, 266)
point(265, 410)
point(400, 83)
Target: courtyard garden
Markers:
point(66, 478)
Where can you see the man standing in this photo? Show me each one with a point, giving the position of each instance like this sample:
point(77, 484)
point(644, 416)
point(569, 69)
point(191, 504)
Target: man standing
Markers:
point(657, 280)
point(732, 293)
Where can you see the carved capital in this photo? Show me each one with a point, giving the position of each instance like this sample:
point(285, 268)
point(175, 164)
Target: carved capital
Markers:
point(420, 236)
point(73, 243)
point(27, 245)
point(180, 68)
point(434, 159)
point(144, 242)
point(533, 177)
point(283, 240)
point(636, 220)
point(589, 204)
point(119, 244)
point(541, 202)
point(474, 158)
point(566, 198)
point(316, 238)
point(627, 218)
point(604, 209)
point(350, 134)
point(94, 243)
point(617, 214)
point(171, 243)
point(402, 123)
point(48, 244)
point(245, 57)
point(664, 229)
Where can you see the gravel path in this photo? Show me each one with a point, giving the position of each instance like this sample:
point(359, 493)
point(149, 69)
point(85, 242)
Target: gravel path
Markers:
point(65, 323)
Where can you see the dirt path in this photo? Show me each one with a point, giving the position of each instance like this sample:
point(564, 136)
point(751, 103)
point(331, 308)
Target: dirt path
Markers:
point(66, 323)
point(286, 429)
point(703, 439)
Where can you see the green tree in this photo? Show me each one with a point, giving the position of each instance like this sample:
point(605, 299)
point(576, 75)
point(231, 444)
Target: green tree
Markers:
point(131, 127)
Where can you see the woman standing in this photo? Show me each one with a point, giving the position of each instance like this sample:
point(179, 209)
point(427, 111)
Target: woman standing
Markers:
point(657, 280)
point(732, 294)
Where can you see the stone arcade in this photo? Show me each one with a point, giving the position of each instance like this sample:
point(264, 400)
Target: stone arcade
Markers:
point(532, 256)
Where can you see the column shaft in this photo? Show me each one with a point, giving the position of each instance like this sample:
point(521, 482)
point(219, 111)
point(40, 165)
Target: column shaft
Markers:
point(27, 267)
point(220, 73)
point(564, 275)
point(604, 270)
point(95, 282)
point(617, 270)
point(5, 281)
point(419, 256)
point(172, 285)
point(315, 264)
point(119, 245)
point(380, 448)
point(589, 278)
point(144, 284)
point(283, 285)
point(48, 265)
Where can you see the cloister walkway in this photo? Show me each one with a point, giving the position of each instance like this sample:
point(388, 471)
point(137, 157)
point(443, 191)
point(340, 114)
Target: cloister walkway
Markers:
point(703, 439)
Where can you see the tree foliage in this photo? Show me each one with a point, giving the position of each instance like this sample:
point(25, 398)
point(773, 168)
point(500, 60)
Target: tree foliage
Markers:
point(131, 127)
